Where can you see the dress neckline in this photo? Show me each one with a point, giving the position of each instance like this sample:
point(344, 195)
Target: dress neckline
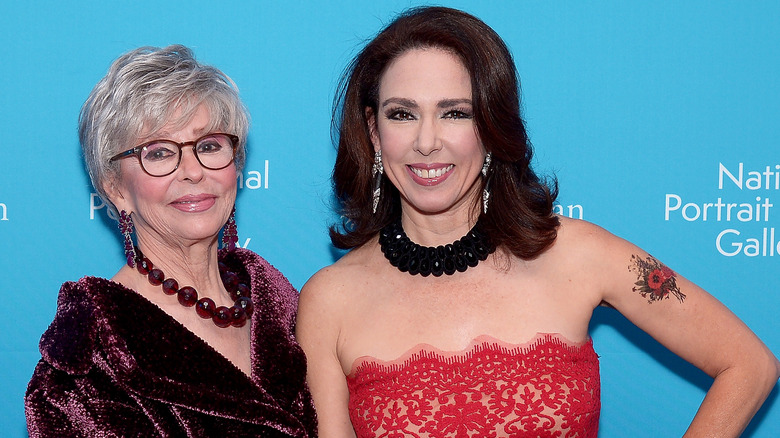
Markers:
point(479, 344)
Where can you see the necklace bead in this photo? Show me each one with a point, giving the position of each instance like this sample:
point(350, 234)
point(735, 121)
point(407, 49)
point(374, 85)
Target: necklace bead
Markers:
point(170, 286)
point(205, 307)
point(187, 296)
point(222, 316)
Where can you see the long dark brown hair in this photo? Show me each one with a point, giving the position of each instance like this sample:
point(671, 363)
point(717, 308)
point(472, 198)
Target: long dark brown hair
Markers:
point(520, 217)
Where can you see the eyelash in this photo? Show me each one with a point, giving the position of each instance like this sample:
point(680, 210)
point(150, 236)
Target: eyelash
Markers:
point(399, 114)
point(458, 113)
point(402, 114)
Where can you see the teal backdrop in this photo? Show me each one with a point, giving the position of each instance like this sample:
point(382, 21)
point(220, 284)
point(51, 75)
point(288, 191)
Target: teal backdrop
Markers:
point(654, 116)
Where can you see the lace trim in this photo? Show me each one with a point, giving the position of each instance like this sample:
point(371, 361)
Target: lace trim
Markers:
point(546, 387)
point(475, 346)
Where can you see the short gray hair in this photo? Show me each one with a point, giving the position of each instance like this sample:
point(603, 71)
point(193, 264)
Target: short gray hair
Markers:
point(146, 89)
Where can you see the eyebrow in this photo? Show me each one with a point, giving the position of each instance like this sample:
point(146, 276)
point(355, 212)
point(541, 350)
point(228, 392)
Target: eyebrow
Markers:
point(399, 101)
point(444, 103)
point(166, 135)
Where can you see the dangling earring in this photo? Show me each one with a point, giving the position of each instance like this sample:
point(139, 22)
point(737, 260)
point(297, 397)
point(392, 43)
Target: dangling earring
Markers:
point(376, 173)
point(230, 232)
point(126, 228)
point(486, 191)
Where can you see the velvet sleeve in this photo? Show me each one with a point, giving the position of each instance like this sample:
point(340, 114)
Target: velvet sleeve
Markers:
point(64, 405)
point(68, 395)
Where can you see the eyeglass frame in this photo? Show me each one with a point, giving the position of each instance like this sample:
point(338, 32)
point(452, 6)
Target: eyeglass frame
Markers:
point(136, 152)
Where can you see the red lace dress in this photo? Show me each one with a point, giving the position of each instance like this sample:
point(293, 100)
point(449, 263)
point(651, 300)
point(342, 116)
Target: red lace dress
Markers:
point(548, 387)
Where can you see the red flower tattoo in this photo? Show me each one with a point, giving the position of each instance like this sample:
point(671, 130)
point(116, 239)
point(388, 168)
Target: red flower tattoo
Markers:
point(655, 281)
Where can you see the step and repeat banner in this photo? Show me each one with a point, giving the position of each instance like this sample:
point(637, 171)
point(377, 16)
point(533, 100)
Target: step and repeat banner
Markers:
point(660, 121)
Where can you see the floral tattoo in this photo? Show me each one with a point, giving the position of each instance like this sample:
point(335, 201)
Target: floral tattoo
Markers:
point(655, 281)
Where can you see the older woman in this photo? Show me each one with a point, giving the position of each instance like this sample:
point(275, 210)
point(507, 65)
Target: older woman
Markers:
point(186, 339)
point(462, 308)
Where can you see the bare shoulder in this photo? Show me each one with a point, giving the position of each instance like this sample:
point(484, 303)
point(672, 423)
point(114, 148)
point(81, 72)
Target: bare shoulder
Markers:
point(581, 238)
point(580, 229)
point(335, 283)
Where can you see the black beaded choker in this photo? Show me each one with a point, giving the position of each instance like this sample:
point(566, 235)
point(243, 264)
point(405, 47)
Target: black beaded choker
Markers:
point(415, 259)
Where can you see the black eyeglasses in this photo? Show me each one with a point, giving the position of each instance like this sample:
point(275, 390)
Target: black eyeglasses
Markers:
point(162, 157)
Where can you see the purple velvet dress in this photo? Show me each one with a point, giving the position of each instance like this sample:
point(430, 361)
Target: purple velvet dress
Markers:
point(114, 364)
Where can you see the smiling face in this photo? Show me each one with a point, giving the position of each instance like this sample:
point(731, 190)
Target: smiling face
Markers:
point(188, 206)
point(425, 129)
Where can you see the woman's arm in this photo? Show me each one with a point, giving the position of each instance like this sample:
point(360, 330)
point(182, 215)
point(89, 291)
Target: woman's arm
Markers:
point(317, 331)
point(692, 324)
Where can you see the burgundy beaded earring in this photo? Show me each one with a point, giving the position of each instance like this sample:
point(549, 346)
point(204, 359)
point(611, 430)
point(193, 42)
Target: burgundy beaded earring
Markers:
point(230, 232)
point(126, 228)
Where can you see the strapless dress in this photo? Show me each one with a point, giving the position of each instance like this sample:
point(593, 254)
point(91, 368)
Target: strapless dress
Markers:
point(548, 387)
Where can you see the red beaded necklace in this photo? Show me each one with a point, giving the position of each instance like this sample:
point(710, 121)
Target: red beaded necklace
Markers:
point(235, 316)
